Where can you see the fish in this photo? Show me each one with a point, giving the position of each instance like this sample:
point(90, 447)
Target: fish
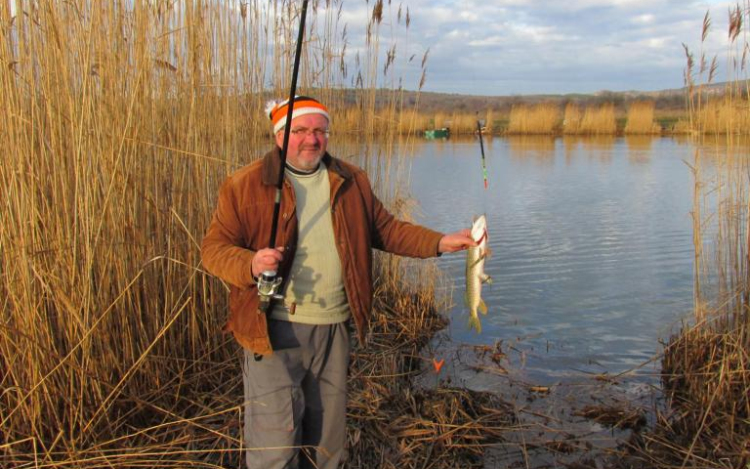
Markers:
point(475, 275)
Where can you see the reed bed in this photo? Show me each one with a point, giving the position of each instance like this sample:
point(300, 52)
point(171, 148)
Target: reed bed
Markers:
point(598, 120)
point(121, 120)
point(593, 120)
point(706, 372)
point(458, 122)
point(412, 121)
point(572, 119)
point(714, 109)
point(723, 115)
point(540, 118)
point(641, 119)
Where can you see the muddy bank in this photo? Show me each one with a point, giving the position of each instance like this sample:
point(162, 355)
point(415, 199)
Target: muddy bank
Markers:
point(393, 420)
point(418, 401)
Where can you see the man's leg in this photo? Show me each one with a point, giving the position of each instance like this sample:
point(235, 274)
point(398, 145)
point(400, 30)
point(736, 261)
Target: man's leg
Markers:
point(274, 402)
point(324, 423)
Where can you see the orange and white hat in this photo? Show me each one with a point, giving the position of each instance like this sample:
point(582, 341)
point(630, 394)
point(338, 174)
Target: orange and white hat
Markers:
point(277, 111)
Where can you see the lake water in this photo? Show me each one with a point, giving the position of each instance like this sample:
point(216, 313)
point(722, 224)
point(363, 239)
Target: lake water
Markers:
point(591, 238)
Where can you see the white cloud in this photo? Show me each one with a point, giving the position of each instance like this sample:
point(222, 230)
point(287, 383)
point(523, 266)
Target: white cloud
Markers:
point(516, 46)
point(646, 18)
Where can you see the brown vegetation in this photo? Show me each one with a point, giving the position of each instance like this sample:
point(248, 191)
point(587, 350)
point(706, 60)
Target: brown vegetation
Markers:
point(641, 119)
point(537, 119)
point(706, 367)
point(122, 119)
point(394, 424)
point(438, 110)
point(719, 109)
point(599, 120)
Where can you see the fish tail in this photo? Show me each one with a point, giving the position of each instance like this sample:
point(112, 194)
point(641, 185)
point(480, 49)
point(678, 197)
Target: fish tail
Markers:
point(475, 324)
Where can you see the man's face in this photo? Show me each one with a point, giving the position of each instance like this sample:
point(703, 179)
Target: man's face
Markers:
point(307, 141)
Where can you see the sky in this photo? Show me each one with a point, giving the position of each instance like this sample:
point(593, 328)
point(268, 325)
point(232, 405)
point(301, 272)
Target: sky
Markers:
point(521, 47)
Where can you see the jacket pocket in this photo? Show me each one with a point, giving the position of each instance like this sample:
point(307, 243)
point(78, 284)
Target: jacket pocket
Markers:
point(244, 318)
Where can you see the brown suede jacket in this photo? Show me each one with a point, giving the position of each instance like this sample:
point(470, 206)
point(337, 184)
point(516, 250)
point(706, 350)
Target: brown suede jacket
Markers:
point(241, 225)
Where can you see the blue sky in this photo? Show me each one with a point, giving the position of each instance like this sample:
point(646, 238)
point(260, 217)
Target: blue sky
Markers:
point(516, 47)
point(511, 47)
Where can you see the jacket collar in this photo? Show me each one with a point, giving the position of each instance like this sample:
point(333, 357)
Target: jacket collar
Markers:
point(272, 163)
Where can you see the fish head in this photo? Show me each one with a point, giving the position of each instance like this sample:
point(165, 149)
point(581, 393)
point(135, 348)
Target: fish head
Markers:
point(479, 228)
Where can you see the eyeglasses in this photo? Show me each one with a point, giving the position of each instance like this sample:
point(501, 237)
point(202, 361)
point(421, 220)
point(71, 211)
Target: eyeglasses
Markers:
point(302, 132)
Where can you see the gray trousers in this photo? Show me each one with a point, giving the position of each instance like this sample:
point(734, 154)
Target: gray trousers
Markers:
point(295, 398)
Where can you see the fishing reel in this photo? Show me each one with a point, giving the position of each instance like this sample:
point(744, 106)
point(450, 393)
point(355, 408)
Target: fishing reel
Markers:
point(268, 286)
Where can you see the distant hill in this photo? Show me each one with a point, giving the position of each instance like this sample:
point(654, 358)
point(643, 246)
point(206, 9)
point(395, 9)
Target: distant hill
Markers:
point(435, 102)
point(665, 100)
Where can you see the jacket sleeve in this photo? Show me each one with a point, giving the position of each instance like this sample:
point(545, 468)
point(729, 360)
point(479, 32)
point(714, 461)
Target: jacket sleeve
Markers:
point(222, 248)
point(397, 236)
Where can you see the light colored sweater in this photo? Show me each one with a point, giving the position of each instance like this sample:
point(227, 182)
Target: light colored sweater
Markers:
point(315, 281)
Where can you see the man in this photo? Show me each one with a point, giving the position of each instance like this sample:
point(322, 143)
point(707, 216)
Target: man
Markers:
point(296, 357)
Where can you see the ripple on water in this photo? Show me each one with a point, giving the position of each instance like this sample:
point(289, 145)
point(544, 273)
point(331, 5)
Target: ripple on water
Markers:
point(592, 258)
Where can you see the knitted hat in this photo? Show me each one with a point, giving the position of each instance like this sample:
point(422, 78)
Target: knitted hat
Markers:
point(277, 111)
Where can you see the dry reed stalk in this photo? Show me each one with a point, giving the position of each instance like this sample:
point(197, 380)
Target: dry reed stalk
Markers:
point(460, 123)
point(395, 425)
point(409, 122)
point(440, 120)
point(540, 118)
point(724, 116)
point(489, 122)
point(706, 371)
point(463, 123)
point(123, 118)
point(641, 118)
point(572, 119)
point(598, 120)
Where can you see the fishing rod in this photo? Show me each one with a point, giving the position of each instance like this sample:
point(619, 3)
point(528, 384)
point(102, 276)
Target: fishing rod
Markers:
point(269, 282)
point(481, 146)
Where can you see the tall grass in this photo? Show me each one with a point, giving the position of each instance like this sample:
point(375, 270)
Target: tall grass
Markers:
point(725, 115)
point(593, 120)
point(641, 118)
point(540, 118)
point(572, 119)
point(714, 109)
point(706, 366)
point(121, 120)
point(599, 120)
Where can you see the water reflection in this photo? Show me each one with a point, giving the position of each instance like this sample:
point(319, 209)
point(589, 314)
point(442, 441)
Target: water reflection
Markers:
point(592, 242)
point(639, 148)
point(596, 147)
point(540, 148)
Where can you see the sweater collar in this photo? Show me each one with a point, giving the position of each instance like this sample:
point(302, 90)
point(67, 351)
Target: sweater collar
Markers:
point(272, 163)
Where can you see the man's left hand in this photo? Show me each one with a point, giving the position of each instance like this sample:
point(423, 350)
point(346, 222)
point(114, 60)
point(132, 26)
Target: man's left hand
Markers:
point(458, 241)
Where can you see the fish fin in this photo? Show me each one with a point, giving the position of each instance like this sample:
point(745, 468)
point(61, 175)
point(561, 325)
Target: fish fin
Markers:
point(466, 298)
point(475, 324)
point(482, 307)
point(486, 278)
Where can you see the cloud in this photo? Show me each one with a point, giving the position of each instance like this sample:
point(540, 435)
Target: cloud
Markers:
point(517, 47)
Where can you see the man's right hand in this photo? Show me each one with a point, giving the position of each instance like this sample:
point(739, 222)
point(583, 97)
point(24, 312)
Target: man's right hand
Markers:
point(266, 259)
